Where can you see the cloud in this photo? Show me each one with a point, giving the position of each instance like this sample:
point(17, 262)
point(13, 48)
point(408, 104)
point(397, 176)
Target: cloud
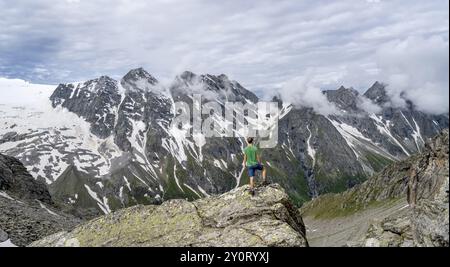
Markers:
point(305, 91)
point(302, 92)
point(260, 43)
point(417, 69)
point(367, 105)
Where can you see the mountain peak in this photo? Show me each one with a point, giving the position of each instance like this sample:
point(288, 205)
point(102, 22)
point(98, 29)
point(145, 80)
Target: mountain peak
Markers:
point(223, 77)
point(345, 98)
point(100, 84)
point(219, 86)
point(135, 75)
point(104, 78)
point(344, 90)
point(377, 93)
point(187, 75)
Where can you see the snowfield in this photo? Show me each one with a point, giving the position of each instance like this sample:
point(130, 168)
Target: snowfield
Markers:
point(51, 134)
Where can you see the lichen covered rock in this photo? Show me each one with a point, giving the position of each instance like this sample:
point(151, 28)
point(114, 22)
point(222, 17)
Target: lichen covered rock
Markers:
point(232, 219)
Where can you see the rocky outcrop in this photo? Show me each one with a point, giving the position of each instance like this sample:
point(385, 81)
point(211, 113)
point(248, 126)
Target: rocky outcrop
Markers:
point(421, 181)
point(426, 223)
point(27, 212)
point(232, 219)
point(25, 222)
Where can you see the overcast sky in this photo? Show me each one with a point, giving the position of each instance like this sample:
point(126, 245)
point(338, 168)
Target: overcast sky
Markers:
point(263, 44)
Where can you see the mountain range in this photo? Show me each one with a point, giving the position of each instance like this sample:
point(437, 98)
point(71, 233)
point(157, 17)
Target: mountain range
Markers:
point(106, 144)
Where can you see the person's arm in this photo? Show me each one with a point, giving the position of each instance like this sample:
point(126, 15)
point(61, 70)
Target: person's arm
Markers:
point(258, 156)
point(245, 160)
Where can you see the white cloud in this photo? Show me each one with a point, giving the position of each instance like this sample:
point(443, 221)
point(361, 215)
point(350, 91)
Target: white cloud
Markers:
point(367, 105)
point(260, 43)
point(302, 92)
point(417, 69)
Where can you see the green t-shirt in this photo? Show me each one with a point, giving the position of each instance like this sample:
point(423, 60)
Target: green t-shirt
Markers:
point(251, 152)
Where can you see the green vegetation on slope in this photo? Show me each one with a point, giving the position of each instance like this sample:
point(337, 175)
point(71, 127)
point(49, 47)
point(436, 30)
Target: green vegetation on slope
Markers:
point(377, 162)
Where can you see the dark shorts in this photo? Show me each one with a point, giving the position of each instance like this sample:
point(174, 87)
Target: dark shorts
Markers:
point(252, 169)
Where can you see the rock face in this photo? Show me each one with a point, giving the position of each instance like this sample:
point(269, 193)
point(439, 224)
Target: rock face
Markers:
point(377, 93)
point(15, 179)
point(422, 181)
point(233, 219)
point(27, 212)
point(95, 100)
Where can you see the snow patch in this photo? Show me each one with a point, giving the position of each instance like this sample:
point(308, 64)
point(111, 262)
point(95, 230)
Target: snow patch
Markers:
point(176, 178)
point(103, 204)
point(202, 191)
point(5, 195)
point(418, 136)
point(127, 183)
point(100, 184)
point(47, 209)
point(311, 151)
point(53, 135)
point(383, 128)
point(192, 189)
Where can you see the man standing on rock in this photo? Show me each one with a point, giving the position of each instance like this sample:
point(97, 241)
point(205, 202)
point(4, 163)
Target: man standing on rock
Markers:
point(252, 160)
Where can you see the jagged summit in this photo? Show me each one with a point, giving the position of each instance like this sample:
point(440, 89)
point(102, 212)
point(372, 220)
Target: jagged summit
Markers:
point(138, 79)
point(345, 98)
point(192, 78)
point(187, 75)
point(223, 77)
point(101, 85)
point(212, 86)
point(234, 219)
point(377, 93)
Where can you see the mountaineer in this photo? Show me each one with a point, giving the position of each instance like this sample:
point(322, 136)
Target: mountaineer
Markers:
point(252, 160)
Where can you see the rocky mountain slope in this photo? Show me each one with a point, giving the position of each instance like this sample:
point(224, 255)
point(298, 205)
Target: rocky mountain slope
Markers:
point(104, 144)
point(413, 191)
point(27, 211)
point(233, 219)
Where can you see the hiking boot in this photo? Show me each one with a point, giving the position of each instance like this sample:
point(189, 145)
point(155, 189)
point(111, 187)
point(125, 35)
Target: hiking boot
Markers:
point(265, 183)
